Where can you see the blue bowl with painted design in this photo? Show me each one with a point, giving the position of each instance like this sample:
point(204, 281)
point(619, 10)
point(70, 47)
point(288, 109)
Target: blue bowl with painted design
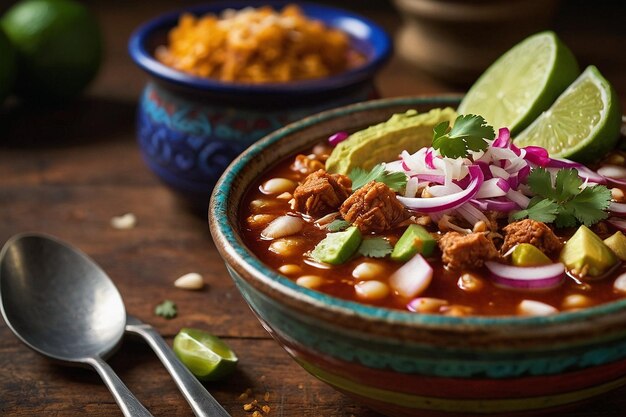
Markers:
point(405, 364)
point(190, 128)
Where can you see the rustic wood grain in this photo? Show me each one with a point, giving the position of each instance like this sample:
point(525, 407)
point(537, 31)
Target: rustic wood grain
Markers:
point(68, 171)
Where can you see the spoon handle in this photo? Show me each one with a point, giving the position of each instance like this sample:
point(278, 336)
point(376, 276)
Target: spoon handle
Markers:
point(202, 403)
point(130, 405)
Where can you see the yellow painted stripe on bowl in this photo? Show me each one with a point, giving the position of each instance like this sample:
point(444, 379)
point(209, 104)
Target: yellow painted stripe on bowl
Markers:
point(485, 406)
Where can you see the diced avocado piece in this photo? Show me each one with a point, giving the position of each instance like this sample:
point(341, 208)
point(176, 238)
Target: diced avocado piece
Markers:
point(617, 243)
point(414, 239)
point(336, 248)
point(383, 142)
point(585, 254)
point(526, 254)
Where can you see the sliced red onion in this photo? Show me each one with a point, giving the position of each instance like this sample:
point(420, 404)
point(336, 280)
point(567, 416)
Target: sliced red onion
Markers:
point(537, 155)
point(495, 205)
point(527, 277)
point(448, 202)
point(437, 179)
point(617, 208)
point(619, 224)
point(495, 187)
point(520, 199)
point(583, 172)
point(504, 138)
point(496, 171)
point(428, 159)
point(471, 214)
point(612, 171)
point(337, 138)
point(412, 278)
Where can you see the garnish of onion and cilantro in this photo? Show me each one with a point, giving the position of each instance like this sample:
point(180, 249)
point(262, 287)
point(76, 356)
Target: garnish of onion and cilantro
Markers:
point(525, 183)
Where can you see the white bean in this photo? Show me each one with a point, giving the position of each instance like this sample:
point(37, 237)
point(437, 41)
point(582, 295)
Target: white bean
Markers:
point(277, 186)
point(367, 271)
point(535, 308)
point(427, 304)
point(469, 282)
point(619, 284)
point(125, 221)
point(290, 269)
point(283, 226)
point(310, 281)
point(190, 281)
point(371, 290)
point(259, 220)
point(574, 301)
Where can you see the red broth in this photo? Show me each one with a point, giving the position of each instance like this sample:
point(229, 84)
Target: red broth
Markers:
point(488, 300)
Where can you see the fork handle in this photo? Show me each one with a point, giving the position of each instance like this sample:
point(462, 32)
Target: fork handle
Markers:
point(202, 403)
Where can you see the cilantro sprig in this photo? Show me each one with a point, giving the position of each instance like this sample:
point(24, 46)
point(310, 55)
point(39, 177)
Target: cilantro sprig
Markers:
point(167, 309)
point(469, 133)
point(564, 203)
point(394, 180)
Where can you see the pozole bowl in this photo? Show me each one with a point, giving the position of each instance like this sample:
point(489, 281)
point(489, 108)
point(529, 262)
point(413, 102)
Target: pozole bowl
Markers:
point(408, 364)
point(190, 128)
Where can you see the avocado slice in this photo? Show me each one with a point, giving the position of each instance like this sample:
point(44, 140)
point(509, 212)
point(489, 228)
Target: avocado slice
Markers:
point(526, 254)
point(585, 254)
point(383, 142)
point(414, 239)
point(617, 243)
point(337, 248)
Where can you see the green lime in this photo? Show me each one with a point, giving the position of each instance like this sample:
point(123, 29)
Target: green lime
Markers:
point(58, 47)
point(205, 355)
point(7, 66)
point(583, 124)
point(522, 83)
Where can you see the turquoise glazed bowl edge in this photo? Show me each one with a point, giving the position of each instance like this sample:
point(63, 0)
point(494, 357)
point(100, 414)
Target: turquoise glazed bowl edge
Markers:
point(476, 362)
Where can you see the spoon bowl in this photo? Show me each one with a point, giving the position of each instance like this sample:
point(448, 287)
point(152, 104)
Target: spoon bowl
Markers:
point(61, 304)
point(56, 302)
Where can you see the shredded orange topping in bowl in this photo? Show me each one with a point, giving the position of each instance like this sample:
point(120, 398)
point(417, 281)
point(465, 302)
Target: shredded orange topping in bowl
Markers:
point(257, 46)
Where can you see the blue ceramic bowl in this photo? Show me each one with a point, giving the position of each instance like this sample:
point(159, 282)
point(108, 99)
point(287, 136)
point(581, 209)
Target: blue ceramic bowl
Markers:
point(190, 128)
point(402, 363)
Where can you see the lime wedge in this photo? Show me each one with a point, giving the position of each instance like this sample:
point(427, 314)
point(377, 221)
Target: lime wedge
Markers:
point(522, 83)
point(205, 355)
point(583, 124)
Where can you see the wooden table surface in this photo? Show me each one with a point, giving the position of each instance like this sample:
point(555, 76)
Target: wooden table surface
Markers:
point(67, 171)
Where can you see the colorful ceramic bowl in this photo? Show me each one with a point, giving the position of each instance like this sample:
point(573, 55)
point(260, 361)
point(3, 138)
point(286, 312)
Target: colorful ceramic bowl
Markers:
point(402, 363)
point(190, 128)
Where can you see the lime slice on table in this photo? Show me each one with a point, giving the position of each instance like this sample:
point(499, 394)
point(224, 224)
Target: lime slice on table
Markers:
point(205, 355)
point(583, 124)
point(522, 83)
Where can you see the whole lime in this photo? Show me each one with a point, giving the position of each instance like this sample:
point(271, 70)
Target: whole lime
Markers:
point(7, 66)
point(58, 47)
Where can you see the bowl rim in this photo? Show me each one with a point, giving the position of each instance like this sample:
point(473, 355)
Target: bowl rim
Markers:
point(358, 27)
point(233, 249)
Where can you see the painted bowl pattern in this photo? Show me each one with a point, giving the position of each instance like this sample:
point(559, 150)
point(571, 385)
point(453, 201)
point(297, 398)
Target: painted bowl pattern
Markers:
point(190, 128)
point(407, 364)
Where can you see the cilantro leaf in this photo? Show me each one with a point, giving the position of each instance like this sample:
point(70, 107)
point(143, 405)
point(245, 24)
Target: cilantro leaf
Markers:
point(166, 309)
point(565, 204)
point(337, 225)
point(469, 133)
point(394, 180)
point(375, 247)
point(543, 210)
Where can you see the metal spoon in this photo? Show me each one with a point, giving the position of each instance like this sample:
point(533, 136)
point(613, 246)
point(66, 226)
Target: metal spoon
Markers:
point(59, 302)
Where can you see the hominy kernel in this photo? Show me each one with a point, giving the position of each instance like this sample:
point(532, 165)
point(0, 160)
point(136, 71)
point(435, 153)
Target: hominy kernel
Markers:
point(248, 407)
point(480, 226)
point(261, 205)
point(266, 396)
point(123, 222)
point(285, 246)
point(277, 186)
point(310, 281)
point(367, 271)
point(259, 220)
point(266, 409)
point(616, 159)
point(423, 220)
point(284, 196)
point(469, 282)
point(257, 414)
point(243, 396)
point(290, 269)
point(322, 150)
point(573, 301)
point(456, 310)
point(427, 305)
point(617, 194)
point(371, 290)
